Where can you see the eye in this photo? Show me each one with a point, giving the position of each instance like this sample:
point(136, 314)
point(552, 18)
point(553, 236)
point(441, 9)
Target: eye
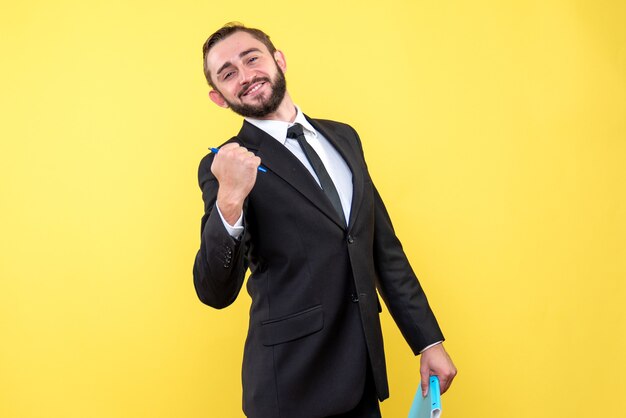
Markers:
point(228, 75)
point(252, 59)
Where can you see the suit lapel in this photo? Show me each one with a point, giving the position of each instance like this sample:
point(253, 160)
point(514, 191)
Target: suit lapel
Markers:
point(280, 161)
point(342, 145)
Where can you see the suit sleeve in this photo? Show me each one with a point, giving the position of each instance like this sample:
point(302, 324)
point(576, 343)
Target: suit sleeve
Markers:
point(398, 285)
point(220, 263)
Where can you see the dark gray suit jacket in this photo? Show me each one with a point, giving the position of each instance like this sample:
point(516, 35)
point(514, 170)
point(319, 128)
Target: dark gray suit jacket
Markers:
point(314, 319)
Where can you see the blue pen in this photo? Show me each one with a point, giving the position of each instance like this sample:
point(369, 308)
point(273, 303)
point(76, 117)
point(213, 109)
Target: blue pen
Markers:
point(260, 168)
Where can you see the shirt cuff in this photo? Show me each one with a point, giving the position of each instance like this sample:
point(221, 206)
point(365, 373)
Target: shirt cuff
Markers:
point(234, 231)
point(430, 346)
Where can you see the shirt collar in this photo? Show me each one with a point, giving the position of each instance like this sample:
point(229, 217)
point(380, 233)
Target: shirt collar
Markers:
point(277, 129)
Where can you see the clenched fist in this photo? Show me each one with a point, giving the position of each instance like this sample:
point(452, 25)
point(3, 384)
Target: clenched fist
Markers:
point(235, 169)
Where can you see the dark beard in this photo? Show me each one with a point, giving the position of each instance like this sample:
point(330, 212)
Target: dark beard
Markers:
point(265, 107)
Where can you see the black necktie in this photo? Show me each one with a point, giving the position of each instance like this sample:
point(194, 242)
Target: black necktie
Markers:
point(296, 132)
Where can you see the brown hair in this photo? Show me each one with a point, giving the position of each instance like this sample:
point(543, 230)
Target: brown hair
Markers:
point(224, 32)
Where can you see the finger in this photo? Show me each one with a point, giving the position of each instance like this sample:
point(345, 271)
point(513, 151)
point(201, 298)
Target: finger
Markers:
point(234, 153)
point(237, 151)
point(251, 160)
point(443, 385)
point(231, 150)
point(446, 381)
point(248, 160)
point(230, 146)
point(425, 374)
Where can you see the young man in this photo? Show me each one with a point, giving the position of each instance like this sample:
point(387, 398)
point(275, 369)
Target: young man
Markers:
point(291, 199)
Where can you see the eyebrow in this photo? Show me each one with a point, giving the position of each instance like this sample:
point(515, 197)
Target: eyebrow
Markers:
point(241, 55)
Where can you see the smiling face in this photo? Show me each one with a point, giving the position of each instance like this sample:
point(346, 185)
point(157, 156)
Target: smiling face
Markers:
point(246, 76)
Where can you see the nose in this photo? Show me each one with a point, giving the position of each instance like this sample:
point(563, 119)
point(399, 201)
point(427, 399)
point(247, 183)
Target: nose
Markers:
point(246, 75)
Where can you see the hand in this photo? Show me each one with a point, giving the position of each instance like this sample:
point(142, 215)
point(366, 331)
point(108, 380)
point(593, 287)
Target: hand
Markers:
point(235, 169)
point(436, 361)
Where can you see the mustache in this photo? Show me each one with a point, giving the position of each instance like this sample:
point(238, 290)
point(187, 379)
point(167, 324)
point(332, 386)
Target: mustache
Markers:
point(248, 84)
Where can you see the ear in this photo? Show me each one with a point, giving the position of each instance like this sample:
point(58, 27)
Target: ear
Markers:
point(217, 98)
point(279, 57)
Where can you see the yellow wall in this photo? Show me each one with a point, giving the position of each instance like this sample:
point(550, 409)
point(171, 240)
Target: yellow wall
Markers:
point(495, 131)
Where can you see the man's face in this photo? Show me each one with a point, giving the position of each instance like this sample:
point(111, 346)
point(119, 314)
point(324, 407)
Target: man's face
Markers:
point(247, 78)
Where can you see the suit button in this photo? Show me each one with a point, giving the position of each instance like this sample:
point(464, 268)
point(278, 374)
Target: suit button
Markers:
point(354, 297)
point(350, 239)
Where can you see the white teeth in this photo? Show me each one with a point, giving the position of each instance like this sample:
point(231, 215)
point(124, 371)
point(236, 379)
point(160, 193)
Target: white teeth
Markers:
point(255, 88)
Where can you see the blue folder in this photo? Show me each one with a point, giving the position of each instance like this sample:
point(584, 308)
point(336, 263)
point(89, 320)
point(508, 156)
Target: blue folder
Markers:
point(430, 406)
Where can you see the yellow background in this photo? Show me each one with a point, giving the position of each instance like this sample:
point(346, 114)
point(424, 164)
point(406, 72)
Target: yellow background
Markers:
point(495, 132)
